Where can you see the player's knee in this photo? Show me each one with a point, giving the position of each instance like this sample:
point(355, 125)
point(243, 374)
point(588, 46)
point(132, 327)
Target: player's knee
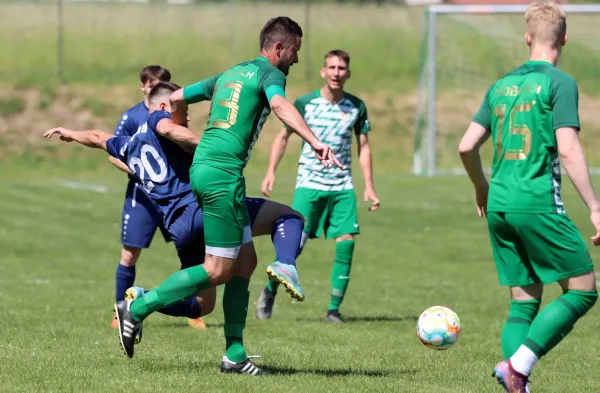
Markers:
point(584, 282)
point(297, 214)
point(130, 255)
point(219, 269)
point(345, 237)
point(528, 292)
point(247, 261)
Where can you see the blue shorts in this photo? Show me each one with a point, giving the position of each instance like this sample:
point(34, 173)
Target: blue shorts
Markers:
point(187, 231)
point(140, 218)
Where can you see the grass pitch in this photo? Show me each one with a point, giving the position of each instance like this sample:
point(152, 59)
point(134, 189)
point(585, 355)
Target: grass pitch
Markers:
point(59, 236)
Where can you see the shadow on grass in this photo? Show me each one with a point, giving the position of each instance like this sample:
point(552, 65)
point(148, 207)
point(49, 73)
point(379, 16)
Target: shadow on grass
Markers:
point(372, 318)
point(334, 372)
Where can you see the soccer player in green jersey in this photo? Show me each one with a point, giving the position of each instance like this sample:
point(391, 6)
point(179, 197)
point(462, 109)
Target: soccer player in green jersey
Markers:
point(325, 195)
point(242, 98)
point(531, 114)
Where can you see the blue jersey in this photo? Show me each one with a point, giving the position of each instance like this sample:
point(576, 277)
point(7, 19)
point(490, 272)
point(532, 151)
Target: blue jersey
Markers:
point(131, 120)
point(160, 165)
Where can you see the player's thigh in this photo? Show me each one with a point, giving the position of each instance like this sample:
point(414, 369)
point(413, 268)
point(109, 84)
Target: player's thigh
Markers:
point(221, 196)
point(262, 219)
point(138, 219)
point(187, 231)
point(554, 245)
point(343, 215)
point(510, 256)
point(313, 206)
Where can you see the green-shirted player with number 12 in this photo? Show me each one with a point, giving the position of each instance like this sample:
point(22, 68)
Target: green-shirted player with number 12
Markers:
point(532, 116)
point(242, 98)
point(325, 196)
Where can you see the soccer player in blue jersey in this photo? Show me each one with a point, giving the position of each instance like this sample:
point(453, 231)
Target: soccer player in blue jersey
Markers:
point(155, 156)
point(140, 216)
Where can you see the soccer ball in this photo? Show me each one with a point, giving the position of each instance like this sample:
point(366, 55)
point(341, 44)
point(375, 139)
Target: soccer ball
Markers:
point(438, 327)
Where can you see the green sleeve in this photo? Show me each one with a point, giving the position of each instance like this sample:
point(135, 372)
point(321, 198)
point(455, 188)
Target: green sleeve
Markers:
point(362, 125)
point(200, 91)
point(565, 102)
point(483, 116)
point(272, 83)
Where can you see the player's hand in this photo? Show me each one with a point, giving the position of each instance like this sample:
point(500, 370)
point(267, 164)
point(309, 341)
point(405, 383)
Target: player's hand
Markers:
point(595, 218)
point(267, 184)
point(370, 195)
point(65, 134)
point(481, 198)
point(324, 154)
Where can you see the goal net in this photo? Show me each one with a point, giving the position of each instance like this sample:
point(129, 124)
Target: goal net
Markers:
point(464, 49)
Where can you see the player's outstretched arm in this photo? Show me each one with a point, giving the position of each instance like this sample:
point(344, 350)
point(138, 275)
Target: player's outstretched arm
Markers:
point(90, 138)
point(468, 149)
point(183, 136)
point(120, 165)
point(365, 160)
point(289, 115)
point(277, 151)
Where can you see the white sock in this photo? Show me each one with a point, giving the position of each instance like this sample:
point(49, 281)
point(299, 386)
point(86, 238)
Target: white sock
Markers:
point(523, 360)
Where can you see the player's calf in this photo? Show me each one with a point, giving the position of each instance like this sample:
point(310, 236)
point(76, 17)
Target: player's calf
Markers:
point(125, 274)
point(555, 321)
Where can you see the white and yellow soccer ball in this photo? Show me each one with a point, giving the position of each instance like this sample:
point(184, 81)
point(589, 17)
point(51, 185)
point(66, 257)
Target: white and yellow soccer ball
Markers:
point(438, 327)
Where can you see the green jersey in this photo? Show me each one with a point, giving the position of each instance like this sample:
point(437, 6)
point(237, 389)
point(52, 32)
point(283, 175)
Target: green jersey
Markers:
point(240, 106)
point(523, 110)
point(333, 123)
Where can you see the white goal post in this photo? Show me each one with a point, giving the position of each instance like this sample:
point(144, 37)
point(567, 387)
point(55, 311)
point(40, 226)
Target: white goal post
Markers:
point(464, 49)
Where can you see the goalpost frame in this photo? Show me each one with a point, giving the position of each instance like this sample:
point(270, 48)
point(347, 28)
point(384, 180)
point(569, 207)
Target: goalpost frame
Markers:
point(429, 35)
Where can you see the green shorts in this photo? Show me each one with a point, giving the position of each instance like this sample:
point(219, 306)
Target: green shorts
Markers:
point(332, 212)
point(221, 196)
point(536, 248)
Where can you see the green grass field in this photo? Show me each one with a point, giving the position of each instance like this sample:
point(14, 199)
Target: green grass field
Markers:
point(60, 208)
point(425, 247)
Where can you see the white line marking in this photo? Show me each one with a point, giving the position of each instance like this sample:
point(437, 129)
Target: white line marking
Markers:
point(84, 186)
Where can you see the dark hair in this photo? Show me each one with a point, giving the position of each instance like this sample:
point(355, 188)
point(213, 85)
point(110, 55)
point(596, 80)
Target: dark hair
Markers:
point(342, 54)
point(280, 29)
point(162, 89)
point(154, 72)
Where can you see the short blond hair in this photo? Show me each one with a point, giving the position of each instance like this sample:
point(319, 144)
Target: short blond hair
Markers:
point(546, 22)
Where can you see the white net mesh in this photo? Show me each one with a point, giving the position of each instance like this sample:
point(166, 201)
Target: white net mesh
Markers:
point(472, 50)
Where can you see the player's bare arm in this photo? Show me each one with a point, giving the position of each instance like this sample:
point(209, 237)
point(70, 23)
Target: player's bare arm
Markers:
point(91, 138)
point(277, 151)
point(365, 160)
point(468, 148)
point(575, 164)
point(289, 115)
point(183, 136)
point(119, 165)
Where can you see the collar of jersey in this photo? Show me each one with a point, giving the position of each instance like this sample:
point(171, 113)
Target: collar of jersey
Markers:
point(261, 58)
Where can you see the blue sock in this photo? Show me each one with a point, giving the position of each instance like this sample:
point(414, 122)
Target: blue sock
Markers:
point(125, 278)
point(286, 235)
point(186, 308)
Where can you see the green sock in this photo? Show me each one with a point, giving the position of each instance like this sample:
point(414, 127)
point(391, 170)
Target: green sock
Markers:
point(179, 286)
point(516, 327)
point(235, 309)
point(273, 285)
point(557, 319)
point(340, 274)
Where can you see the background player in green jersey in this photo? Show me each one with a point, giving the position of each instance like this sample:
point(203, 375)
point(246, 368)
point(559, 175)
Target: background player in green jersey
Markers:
point(242, 98)
point(532, 116)
point(325, 195)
